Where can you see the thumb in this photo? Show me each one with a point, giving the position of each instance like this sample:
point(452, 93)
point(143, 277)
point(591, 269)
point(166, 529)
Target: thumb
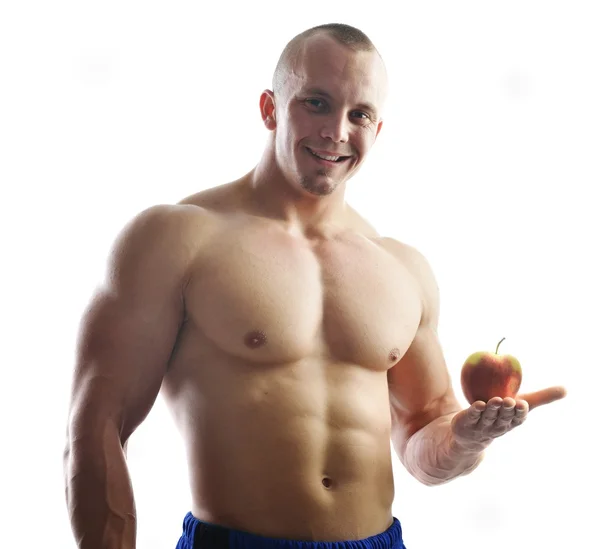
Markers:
point(545, 396)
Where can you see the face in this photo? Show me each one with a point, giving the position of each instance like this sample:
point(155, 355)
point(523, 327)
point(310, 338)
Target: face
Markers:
point(328, 114)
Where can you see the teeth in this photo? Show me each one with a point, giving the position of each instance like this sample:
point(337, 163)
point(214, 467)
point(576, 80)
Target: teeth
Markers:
point(330, 158)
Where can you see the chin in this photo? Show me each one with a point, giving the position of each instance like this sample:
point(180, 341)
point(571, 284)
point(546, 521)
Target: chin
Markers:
point(319, 186)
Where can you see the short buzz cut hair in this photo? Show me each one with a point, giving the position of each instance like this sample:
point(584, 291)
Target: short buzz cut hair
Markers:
point(346, 35)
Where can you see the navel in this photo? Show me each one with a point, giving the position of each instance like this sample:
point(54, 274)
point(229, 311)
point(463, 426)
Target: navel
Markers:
point(394, 355)
point(327, 482)
point(255, 339)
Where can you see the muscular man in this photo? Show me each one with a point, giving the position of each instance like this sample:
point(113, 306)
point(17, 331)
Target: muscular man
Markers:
point(290, 340)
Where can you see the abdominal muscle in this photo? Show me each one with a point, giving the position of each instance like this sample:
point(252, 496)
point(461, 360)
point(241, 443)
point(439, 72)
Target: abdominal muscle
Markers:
point(298, 450)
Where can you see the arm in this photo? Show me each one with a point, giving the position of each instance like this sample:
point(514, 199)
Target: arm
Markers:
point(126, 338)
point(423, 403)
point(436, 440)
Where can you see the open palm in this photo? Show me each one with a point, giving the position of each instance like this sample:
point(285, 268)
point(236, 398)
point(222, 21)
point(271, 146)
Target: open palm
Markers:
point(475, 427)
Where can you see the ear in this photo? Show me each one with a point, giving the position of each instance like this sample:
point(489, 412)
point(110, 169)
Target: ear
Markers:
point(267, 109)
point(379, 128)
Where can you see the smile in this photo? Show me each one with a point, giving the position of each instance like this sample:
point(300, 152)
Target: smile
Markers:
point(329, 159)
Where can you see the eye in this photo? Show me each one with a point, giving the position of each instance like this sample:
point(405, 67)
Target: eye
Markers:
point(361, 115)
point(316, 103)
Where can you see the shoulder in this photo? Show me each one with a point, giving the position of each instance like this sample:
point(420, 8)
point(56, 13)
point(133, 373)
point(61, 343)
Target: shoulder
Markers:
point(159, 242)
point(420, 268)
point(410, 256)
point(221, 199)
point(168, 224)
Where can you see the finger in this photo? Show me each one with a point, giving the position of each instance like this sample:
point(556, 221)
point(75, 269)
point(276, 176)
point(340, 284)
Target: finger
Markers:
point(474, 412)
point(506, 412)
point(490, 415)
point(545, 396)
point(521, 411)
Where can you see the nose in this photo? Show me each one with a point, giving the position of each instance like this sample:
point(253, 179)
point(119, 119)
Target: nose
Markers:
point(336, 128)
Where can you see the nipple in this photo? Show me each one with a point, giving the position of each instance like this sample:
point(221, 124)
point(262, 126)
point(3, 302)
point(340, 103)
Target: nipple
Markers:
point(255, 339)
point(394, 355)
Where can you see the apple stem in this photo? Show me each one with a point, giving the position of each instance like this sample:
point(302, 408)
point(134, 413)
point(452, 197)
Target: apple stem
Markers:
point(499, 344)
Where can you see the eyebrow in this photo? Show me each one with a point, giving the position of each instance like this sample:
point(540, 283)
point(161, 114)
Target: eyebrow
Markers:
point(320, 91)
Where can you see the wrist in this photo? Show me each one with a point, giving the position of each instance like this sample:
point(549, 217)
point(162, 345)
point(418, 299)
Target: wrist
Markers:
point(467, 447)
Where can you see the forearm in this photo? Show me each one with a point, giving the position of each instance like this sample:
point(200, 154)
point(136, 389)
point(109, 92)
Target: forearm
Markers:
point(99, 493)
point(433, 456)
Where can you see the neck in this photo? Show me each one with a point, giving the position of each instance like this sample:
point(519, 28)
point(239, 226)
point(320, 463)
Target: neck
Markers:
point(279, 198)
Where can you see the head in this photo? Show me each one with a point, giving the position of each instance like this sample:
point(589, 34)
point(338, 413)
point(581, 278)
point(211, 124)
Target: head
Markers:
point(329, 89)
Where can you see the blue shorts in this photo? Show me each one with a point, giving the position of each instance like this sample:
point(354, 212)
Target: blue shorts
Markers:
point(202, 535)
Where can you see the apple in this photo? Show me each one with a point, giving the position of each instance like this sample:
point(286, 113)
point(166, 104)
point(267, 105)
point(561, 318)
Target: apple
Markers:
point(486, 375)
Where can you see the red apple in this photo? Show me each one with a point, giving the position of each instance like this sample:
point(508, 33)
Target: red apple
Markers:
point(485, 375)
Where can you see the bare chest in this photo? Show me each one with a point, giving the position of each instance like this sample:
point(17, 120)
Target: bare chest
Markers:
point(267, 296)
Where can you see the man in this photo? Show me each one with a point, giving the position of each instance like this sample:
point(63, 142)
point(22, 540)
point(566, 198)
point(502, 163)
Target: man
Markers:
point(290, 340)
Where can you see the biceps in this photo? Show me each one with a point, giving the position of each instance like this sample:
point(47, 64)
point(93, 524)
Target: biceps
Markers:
point(420, 385)
point(122, 355)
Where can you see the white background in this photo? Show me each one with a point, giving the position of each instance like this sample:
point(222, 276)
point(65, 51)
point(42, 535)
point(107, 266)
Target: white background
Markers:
point(487, 162)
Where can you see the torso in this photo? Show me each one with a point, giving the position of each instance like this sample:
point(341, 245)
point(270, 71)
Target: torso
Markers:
point(278, 381)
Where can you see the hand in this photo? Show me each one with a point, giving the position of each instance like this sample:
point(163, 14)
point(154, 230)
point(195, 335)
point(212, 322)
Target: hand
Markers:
point(475, 427)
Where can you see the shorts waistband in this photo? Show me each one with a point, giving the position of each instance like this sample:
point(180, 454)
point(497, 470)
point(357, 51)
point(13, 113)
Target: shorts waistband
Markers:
point(198, 534)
